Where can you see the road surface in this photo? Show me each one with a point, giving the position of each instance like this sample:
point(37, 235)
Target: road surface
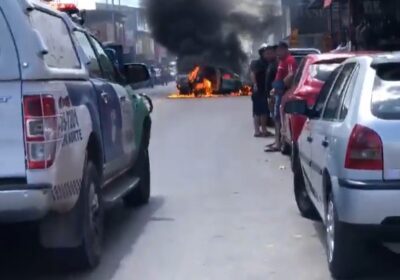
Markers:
point(221, 209)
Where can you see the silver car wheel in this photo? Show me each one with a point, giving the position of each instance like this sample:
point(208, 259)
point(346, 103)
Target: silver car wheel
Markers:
point(330, 230)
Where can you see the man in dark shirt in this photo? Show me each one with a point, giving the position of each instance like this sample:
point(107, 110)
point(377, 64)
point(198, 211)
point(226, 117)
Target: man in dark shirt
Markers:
point(262, 74)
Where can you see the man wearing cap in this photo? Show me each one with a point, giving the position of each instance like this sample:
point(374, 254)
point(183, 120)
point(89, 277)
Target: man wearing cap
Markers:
point(286, 70)
point(262, 74)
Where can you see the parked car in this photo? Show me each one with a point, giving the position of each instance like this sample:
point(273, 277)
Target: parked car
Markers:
point(347, 169)
point(182, 83)
point(156, 74)
point(312, 73)
point(173, 71)
point(76, 136)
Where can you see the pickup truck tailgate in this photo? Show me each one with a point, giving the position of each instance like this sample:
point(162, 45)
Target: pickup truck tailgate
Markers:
point(12, 149)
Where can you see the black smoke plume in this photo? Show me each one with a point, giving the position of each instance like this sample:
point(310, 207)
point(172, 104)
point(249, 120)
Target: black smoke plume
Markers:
point(202, 31)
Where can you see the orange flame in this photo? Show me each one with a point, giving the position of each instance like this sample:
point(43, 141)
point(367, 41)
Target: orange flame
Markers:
point(203, 88)
point(193, 75)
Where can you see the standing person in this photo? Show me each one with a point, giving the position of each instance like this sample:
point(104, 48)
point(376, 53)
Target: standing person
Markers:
point(164, 75)
point(152, 76)
point(286, 70)
point(262, 73)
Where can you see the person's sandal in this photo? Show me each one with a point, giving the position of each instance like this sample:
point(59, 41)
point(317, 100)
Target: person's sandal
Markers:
point(267, 134)
point(258, 135)
point(271, 149)
point(270, 145)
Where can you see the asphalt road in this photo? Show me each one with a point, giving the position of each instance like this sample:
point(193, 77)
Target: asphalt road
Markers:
point(221, 209)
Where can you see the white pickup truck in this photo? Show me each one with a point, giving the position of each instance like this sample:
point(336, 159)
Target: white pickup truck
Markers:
point(73, 135)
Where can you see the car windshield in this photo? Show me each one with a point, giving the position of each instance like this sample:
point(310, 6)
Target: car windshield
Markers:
point(322, 72)
point(386, 95)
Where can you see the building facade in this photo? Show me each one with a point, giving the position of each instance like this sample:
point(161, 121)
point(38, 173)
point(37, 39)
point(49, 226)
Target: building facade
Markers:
point(123, 22)
point(363, 24)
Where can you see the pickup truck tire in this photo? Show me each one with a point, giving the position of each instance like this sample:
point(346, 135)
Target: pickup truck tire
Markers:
point(141, 194)
point(88, 254)
point(303, 201)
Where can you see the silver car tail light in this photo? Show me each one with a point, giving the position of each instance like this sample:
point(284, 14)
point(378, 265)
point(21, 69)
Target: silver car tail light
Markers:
point(364, 150)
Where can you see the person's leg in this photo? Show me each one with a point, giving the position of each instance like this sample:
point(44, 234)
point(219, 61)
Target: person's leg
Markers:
point(265, 118)
point(256, 116)
point(277, 134)
point(264, 115)
point(257, 123)
point(278, 99)
point(275, 147)
point(270, 119)
point(263, 124)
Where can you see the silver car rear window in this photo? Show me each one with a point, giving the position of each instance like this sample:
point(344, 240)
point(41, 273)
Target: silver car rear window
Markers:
point(386, 94)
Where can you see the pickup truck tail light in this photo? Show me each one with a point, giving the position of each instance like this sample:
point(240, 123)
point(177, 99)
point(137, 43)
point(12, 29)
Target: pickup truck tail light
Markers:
point(364, 150)
point(41, 130)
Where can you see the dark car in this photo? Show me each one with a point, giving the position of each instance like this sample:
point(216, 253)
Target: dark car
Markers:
point(182, 83)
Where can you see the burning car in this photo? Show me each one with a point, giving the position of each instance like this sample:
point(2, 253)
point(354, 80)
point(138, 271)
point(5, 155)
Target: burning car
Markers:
point(182, 83)
point(211, 80)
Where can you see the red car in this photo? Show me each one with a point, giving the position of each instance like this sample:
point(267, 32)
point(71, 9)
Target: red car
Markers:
point(313, 71)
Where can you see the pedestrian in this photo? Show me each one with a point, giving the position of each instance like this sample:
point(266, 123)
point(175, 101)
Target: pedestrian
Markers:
point(164, 75)
point(262, 74)
point(284, 76)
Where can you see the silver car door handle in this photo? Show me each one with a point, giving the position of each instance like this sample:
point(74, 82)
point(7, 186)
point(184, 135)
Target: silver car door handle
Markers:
point(309, 139)
point(104, 96)
point(122, 98)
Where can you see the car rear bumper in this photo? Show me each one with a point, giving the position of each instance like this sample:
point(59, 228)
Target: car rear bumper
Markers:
point(367, 202)
point(382, 232)
point(24, 203)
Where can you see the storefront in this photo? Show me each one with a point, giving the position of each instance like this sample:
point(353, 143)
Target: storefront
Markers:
point(363, 24)
point(339, 20)
point(376, 24)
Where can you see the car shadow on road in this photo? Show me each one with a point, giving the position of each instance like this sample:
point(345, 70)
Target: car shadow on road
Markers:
point(381, 264)
point(22, 258)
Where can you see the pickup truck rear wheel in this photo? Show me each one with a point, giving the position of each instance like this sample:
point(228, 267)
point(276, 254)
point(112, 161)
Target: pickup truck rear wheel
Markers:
point(88, 254)
point(141, 194)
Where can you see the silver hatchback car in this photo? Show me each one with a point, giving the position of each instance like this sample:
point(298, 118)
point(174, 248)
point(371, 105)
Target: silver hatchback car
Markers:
point(348, 168)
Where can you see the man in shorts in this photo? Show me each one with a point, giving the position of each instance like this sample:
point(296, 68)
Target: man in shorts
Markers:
point(262, 74)
point(286, 69)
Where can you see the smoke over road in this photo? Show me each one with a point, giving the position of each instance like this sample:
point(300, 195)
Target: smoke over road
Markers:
point(207, 31)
